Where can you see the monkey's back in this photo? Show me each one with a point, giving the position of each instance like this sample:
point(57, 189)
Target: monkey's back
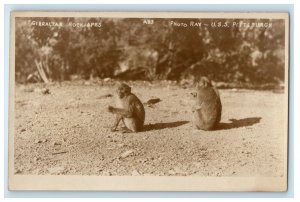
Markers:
point(133, 103)
point(208, 113)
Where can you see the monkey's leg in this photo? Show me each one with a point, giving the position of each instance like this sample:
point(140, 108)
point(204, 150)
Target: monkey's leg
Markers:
point(124, 124)
point(124, 129)
point(133, 124)
point(117, 121)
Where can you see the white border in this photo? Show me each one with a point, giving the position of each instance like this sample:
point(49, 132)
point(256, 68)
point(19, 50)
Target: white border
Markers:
point(295, 98)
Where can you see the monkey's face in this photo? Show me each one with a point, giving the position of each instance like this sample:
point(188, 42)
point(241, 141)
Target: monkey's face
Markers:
point(123, 90)
point(203, 83)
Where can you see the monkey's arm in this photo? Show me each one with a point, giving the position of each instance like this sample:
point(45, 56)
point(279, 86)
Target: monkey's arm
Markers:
point(197, 107)
point(122, 112)
point(116, 123)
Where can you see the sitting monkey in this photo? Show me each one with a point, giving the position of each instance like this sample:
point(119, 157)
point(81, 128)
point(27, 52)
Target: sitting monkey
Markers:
point(208, 109)
point(129, 109)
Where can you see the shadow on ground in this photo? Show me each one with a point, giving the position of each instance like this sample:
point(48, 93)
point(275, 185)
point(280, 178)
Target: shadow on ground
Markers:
point(159, 126)
point(237, 123)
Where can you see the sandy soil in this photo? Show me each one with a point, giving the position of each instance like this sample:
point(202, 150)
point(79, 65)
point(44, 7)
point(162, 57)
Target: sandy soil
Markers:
point(68, 132)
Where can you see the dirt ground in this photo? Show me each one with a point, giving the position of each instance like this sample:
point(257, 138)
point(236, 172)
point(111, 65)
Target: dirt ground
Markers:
point(67, 132)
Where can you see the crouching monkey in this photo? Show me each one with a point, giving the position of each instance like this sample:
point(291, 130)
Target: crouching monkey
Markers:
point(129, 109)
point(208, 108)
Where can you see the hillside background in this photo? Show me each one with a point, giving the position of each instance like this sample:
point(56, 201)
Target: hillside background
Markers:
point(127, 49)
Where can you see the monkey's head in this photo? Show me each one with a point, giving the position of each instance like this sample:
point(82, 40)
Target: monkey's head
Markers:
point(203, 83)
point(123, 90)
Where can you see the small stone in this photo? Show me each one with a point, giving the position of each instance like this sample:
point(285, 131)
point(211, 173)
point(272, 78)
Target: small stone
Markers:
point(56, 143)
point(152, 101)
point(45, 91)
point(38, 141)
point(35, 159)
point(23, 130)
point(18, 171)
point(126, 154)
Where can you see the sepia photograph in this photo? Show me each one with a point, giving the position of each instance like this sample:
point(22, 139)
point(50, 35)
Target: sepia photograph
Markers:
point(148, 101)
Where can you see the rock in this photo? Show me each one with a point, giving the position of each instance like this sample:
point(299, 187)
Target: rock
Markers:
point(203, 149)
point(152, 101)
point(56, 143)
point(35, 159)
point(45, 91)
point(38, 141)
point(126, 154)
point(18, 171)
point(23, 130)
point(59, 152)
